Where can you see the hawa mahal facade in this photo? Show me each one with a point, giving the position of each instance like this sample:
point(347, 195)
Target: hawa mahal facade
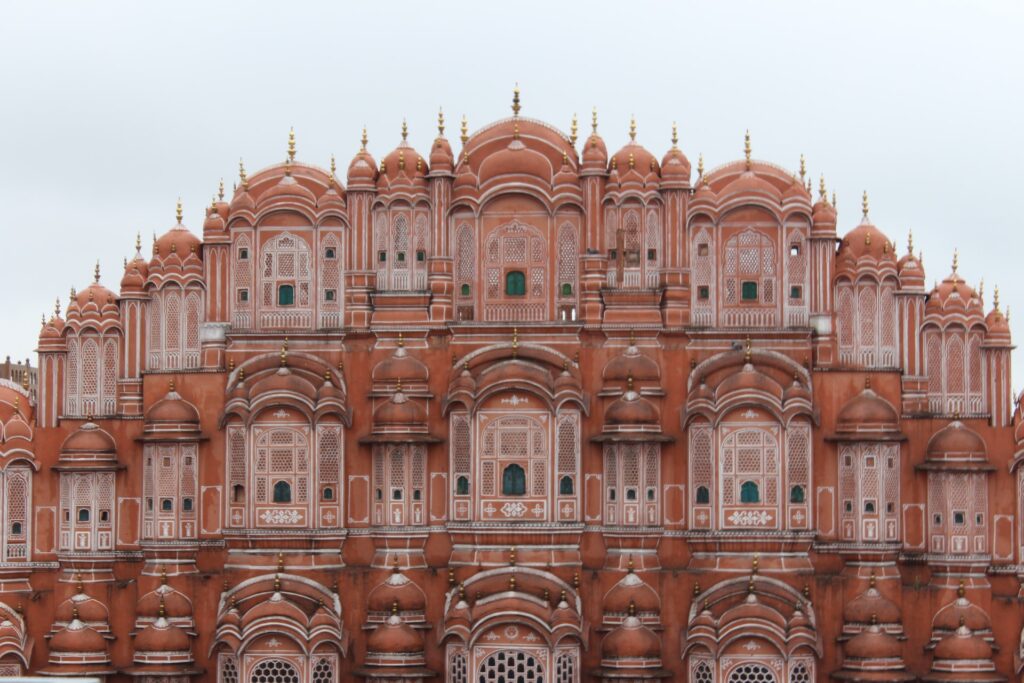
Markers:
point(528, 411)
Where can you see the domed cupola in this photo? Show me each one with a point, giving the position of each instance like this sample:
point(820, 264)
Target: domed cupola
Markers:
point(871, 607)
point(749, 185)
point(332, 199)
point(565, 179)
point(873, 655)
point(963, 657)
point(84, 607)
point(997, 325)
point(910, 268)
point(442, 160)
point(400, 415)
point(95, 303)
point(88, 448)
point(398, 590)
point(394, 652)
point(865, 247)
point(631, 363)
point(631, 590)
point(178, 242)
point(823, 214)
point(400, 366)
point(595, 153)
point(78, 650)
point(213, 224)
point(172, 415)
point(362, 171)
point(632, 651)
point(242, 201)
point(961, 612)
point(632, 166)
point(868, 416)
point(632, 412)
point(954, 297)
point(956, 447)
point(135, 271)
point(403, 167)
point(703, 196)
point(675, 167)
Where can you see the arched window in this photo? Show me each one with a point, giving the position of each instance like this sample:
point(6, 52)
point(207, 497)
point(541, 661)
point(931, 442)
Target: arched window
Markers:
point(285, 295)
point(515, 283)
point(328, 493)
point(238, 494)
point(464, 289)
point(282, 492)
point(749, 493)
point(703, 495)
point(274, 671)
point(83, 515)
point(513, 481)
point(565, 486)
point(462, 486)
point(796, 494)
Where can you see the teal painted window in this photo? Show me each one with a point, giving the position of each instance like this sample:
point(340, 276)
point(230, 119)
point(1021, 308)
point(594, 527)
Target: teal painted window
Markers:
point(515, 283)
point(749, 493)
point(285, 295)
point(513, 481)
point(750, 291)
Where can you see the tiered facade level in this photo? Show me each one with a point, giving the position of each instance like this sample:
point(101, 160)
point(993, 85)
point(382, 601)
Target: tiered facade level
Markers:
point(531, 412)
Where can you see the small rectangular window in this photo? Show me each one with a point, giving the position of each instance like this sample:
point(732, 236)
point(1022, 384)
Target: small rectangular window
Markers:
point(613, 254)
point(702, 250)
point(329, 253)
point(890, 508)
point(750, 291)
point(382, 256)
point(329, 295)
point(243, 295)
point(848, 505)
point(959, 517)
point(794, 250)
point(652, 254)
point(421, 256)
point(243, 254)
point(703, 292)
point(937, 520)
point(400, 257)
point(186, 505)
point(796, 292)
point(979, 519)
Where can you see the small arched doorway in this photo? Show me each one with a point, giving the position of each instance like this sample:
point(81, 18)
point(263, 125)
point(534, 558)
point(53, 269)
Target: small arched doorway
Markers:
point(511, 665)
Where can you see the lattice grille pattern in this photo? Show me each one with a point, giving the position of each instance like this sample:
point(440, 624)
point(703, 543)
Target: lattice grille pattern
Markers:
point(329, 451)
point(516, 246)
point(798, 457)
point(568, 255)
point(752, 673)
point(274, 671)
point(228, 670)
point(465, 258)
point(91, 381)
point(800, 674)
point(956, 374)
point(750, 257)
point(700, 457)
point(330, 281)
point(702, 673)
point(703, 290)
point(323, 671)
point(288, 453)
point(519, 439)
point(565, 668)
point(756, 453)
point(568, 442)
point(511, 665)
point(458, 670)
point(286, 262)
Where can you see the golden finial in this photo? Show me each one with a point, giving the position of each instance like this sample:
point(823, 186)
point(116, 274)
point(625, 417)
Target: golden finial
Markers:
point(746, 147)
point(363, 140)
point(241, 374)
point(864, 204)
point(405, 129)
point(700, 165)
point(451, 576)
point(138, 242)
point(593, 121)
point(43, 317)
point(871, 580)
point(163, 575)
point(822, 192)
point(632, 161)
point(807, 591)
point(464, 131)
point(440, 123)
point(956, 260)
point(96, 272)
point(629, 564)
point(383, 166)
point(291, 144)
point(242, 176)
point(910, 242)
point(755, 563)
point(995, 298)
point(515, 341)
point(632, 128)
point(515, 101)
point(961, 590)
point(334, 167)
point(56, 308)
point(74, 614)
point(515, 130)
point(512, 556)
point(632, 609)
point(835, 204)
point(803, 169)
point(867, 239)
point(574, 128)
point(284, 355)
point(867, 382)
point(170, 385)
point(220, 190)
point(576, 580)
point(748, 351)
point(401, 340)
point(512, 583)
point(675, 136)
point(629, 382)
point(280, 561)
point(750, 585)
point(78, 583)
point(401, 159)
point(696, 588)
point(277, 584)
point(981, 288)
point(177, 211)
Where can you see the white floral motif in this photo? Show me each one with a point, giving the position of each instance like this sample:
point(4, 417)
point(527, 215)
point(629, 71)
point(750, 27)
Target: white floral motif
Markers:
point(511, 632)
point(513, 509)
point(515, 400)
point(750, 518)
point(281, 516)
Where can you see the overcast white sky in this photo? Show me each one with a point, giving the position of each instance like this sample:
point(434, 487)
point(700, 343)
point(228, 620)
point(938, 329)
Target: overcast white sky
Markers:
point(111, 110)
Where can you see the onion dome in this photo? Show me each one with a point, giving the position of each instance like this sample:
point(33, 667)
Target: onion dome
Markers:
point(953, 295)
point(870, 606)
point(442, 160)
point(242, 201)
point(178, 240)
point(910, 268)
point(362, 171)
point(214, 221)
point(873, 643)
point(997, 324)
point(630, 641)
point(823, 214)
point(566, 176)
point(675, 167)
point(867, 412)
point(82, 606)
point(631, 590)
point(961, 612)
point(394, 636)
point(963, 656)
point(400, 366)
point(330, 199)
point(633, 158)
point(796, 391)
point(631, 409)
point(88, 445)
point(633, 364)
point(77, 638)
point(397, 589)
point(595, 153)
point(172, 413)
point(161, 636)
point(956, 445)
point(865, 242)
point(403, 164)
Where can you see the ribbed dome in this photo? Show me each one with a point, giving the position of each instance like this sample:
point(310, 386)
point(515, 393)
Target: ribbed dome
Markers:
point(441, 157)
point(873, 643)
point(394, 637)
point(631, 640)
point(867, 411)
point(866, 241)
point(631, 589)
point(178, 240)
point(88, 608)
point(963, 645)
point(633, 364)
point(962, 612)
point(161, 636)
point(362, 169)
point(871, 605)
point(76, 637)
point(175, 605)
point(595, 153)
point(397, 588)
point(675, 166)
point(957, 442)
point(400, 366)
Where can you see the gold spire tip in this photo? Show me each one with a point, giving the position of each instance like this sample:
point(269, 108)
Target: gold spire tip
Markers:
point(593, 120)
point(632, 128)
point(574, 128)
point(440, 122)
point(364, 139)
point(96, 272)
point(864, 206)
point(405, 129)
point(177, 211)
point(803, 167)
point(956, 260)
point(464, 130)
point(291, 144)
point(675, 136)
point(746, 147)
point(515, 100)
point(220, 190)
point(910, 241)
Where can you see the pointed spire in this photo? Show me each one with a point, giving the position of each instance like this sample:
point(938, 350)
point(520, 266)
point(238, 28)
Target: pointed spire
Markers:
point(910, 242)
point(864, 205)
point(291, 145)
point(574, 129)
point(593, 120)
point(363, 140)
point(138, 243)
point(464, 131)
point(803, 170)
point(405, 130)
point(956, 260)
point(746, 147)
point(242, 175)
point(981, 289)
point(675, 136)
point(284, 353)
point(96, 272)
point(995, 298)
point(515, 101)
point(835, 204)
point(56, 308)
point(177, 211)
point(822, 192)
point(700, 165)
point(334, 168)
point(440, 123)
point(632, 128)
point(220, 190)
